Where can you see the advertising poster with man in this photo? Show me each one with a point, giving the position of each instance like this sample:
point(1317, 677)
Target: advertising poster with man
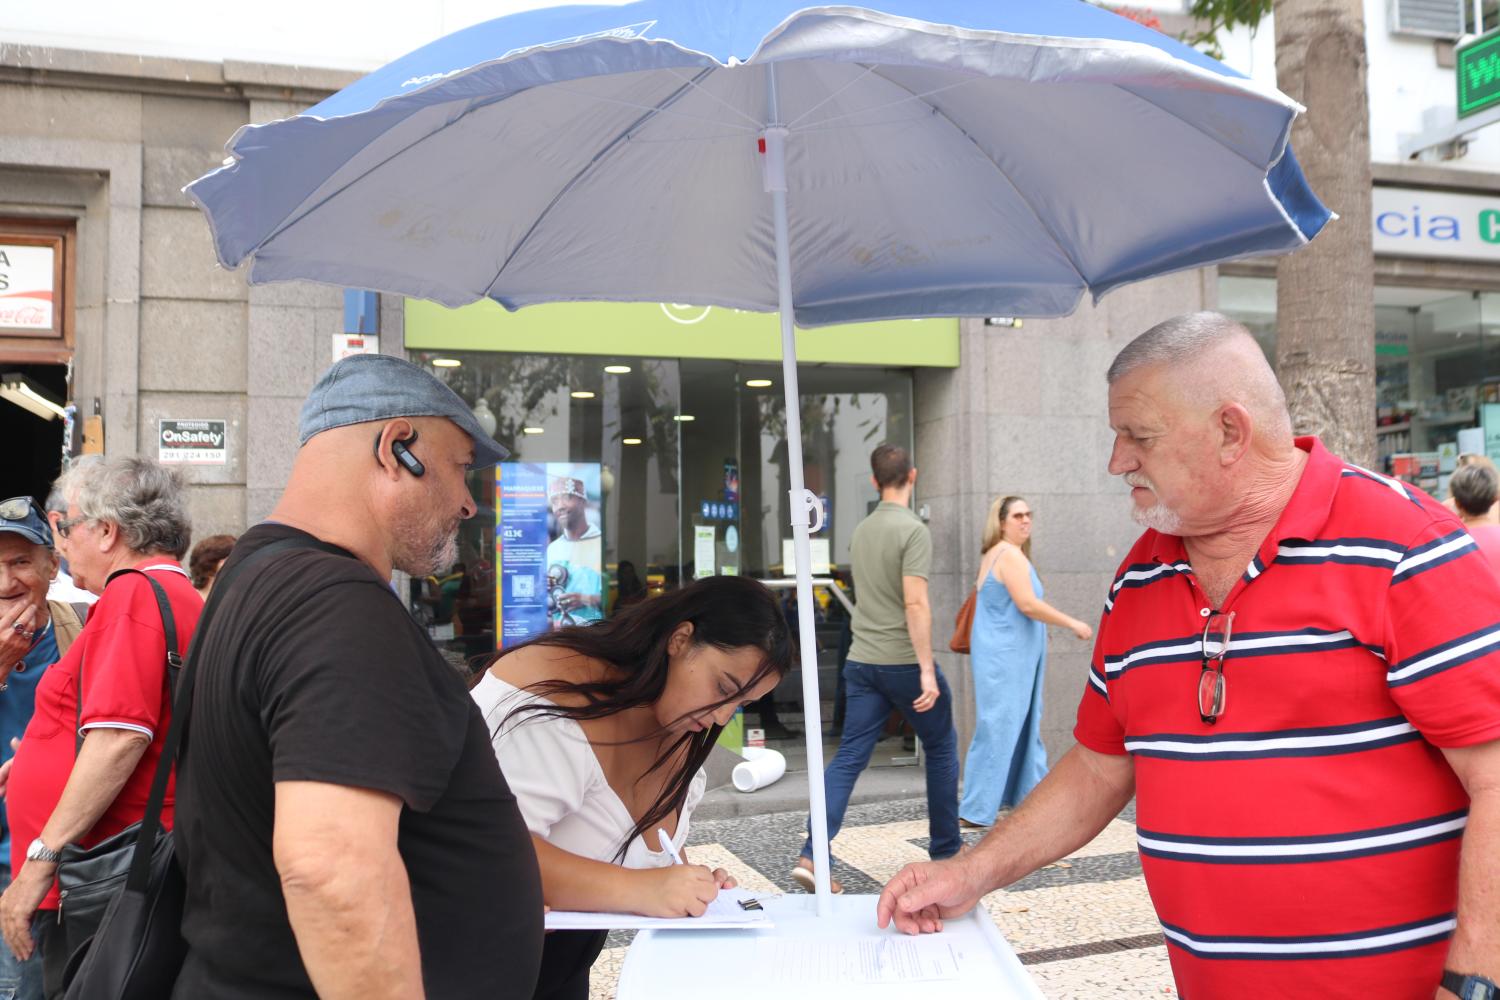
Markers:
point(550, 546)
point(575, 554)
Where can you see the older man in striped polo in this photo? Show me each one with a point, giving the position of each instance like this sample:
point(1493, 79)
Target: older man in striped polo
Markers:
point(1298, 676)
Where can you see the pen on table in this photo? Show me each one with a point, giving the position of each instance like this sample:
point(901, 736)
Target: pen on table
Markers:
point(666, 845)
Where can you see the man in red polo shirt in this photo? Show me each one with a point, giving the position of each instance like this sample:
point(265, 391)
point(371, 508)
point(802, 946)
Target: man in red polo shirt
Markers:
point(84, 768)
point(1298, 676)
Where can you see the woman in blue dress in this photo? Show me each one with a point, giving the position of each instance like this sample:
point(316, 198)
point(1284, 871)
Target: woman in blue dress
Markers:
point(1008, 653)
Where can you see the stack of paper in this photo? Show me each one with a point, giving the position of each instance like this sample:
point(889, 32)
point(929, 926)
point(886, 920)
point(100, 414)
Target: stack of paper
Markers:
point(884, 958)
point(722, 914)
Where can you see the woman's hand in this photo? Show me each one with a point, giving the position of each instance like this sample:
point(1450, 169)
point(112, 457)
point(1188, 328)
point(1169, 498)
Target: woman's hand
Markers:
point(1081, 630)
point(676, 891)
point(725, 880)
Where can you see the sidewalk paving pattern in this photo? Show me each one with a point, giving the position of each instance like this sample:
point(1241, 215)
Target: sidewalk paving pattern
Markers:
point(1084, 927)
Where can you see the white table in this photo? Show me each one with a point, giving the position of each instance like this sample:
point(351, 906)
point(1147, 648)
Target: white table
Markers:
point(666, 965)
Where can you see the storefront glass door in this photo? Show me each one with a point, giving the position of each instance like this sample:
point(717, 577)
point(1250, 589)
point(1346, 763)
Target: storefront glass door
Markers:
point(1437, 372)
point(630, 476)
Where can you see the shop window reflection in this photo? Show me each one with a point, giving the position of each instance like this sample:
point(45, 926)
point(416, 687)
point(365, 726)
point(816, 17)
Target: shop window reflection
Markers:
point(846, 413)
point(679, 446)
point(559, 412)
point(1437, 371)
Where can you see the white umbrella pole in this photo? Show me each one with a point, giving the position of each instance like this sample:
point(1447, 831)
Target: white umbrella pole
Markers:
point(804, 505)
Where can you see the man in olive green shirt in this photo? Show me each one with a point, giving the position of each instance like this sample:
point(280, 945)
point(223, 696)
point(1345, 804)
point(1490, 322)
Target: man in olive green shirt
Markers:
point(890, 663)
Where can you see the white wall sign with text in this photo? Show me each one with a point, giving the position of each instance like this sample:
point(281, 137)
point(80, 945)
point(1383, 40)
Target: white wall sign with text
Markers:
point(1410, 222)
point(194, 442)
point(705, 554)
point(27, 286)
point(818, 548)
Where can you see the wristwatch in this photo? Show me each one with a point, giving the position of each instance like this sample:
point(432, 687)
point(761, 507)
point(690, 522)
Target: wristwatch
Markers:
point(1469, 986)
point(39, 851)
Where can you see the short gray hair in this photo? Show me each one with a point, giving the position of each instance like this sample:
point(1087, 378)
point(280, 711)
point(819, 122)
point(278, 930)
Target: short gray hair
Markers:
point(1184, 339)
point(146, 500)
point(56, 499)
point(1174, 341)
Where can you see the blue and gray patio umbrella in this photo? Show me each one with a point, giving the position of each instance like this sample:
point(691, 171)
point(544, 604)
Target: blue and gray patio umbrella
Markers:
point(834, 164)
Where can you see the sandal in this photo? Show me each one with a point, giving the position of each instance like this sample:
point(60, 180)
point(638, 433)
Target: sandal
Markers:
point(803, 876)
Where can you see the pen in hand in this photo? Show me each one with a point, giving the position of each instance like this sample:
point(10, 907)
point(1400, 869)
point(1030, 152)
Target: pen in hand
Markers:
point(722, 878)
point(666, 845)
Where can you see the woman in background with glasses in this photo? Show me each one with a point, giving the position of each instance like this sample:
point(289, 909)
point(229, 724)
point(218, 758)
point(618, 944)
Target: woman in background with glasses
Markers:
point(1008, 654)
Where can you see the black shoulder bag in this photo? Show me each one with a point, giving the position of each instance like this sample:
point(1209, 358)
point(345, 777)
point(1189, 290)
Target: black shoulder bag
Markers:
point(129, 890)
point(89, 877)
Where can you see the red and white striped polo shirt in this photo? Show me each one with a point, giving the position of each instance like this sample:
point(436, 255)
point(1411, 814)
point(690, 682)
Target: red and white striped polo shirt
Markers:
point(1307, 845)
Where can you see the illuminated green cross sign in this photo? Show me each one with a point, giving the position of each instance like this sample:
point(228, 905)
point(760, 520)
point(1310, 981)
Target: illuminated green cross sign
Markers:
point(1478, 71)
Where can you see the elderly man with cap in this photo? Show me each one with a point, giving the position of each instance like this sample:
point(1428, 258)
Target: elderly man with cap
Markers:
point(575, 574)
point(345, 829)
point(34, 634)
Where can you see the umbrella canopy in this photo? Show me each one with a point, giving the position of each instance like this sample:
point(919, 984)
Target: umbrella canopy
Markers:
point(943, 158)
point(836, 164)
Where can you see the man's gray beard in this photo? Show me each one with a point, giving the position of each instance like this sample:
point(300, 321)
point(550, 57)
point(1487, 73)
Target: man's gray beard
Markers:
point(424, 552)
point(1158, 516)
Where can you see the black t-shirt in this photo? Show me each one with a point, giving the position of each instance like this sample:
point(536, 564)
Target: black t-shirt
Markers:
point(311, 670)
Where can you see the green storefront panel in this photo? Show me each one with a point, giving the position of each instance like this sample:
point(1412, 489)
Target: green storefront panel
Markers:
point(640, 329)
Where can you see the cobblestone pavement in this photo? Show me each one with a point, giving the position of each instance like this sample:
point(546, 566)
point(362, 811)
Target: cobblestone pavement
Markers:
point(1084, 927)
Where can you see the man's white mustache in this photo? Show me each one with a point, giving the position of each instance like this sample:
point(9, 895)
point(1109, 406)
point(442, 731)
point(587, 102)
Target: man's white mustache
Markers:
point(1136, 479)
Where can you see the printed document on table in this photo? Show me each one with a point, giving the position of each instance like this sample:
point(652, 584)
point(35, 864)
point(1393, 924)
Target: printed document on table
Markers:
point(724, 913)
point(865, 960)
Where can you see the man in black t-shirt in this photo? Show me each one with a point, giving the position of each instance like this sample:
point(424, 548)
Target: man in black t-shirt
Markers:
point(343, 825)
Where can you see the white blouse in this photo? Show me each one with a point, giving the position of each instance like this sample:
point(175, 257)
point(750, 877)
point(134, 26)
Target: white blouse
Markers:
point(558, 783)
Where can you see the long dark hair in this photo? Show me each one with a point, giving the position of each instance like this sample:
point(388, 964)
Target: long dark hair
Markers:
point(726, 612)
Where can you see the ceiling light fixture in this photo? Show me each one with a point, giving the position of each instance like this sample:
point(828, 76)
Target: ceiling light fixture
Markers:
point(684, 418)
point(533, 430)
point(27, 394)
point(446, 362)
point(759, 383)
point(617, 369)
point(630, 440)
point(581, 394)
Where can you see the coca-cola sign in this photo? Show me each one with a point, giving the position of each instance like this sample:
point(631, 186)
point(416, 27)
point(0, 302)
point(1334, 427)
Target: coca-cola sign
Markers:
point(27, 287)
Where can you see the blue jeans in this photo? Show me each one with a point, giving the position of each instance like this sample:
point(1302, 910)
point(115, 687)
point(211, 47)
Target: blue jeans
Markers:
point(18, 980)
point(871, 692)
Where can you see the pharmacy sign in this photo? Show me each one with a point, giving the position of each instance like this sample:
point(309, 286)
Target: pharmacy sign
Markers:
point(1477, 66)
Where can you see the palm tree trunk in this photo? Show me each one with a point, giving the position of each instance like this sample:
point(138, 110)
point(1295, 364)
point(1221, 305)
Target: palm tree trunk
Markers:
point(1325, 310)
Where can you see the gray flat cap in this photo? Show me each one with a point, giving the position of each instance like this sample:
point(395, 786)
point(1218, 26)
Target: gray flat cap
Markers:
point(366, 387)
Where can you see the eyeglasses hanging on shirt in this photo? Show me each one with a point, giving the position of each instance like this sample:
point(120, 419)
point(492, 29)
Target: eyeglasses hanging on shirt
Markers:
point(1213, 692)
